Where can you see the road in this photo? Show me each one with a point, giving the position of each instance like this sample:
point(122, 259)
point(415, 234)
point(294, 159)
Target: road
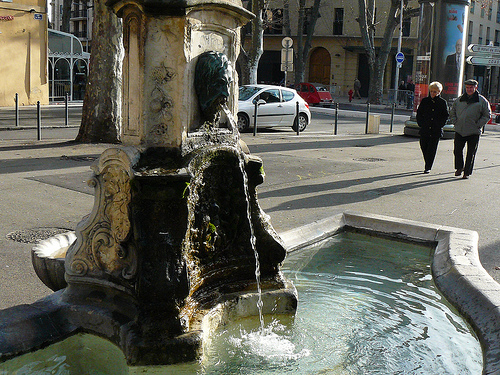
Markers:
point(53, 123)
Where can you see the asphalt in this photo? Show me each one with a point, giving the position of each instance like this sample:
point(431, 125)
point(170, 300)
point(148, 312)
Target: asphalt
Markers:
point(308, 178)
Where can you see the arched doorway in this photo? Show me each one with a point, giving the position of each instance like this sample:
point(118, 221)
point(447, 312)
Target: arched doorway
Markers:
point(319, 66)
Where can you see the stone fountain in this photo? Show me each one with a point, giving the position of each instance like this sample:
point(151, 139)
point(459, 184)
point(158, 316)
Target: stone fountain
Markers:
point(176, 243)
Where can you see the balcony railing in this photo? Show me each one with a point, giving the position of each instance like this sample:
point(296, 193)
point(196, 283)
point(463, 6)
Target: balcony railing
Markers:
point(81, 34)
point(80, 13)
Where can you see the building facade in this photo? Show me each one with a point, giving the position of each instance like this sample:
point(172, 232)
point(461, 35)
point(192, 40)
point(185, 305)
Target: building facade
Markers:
point(80, 22)
point(337, 56)
point(23, 52)
point(484, 28)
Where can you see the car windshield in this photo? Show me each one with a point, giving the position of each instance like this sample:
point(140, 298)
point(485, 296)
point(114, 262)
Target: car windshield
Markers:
point(321, 88)
point(246, 92)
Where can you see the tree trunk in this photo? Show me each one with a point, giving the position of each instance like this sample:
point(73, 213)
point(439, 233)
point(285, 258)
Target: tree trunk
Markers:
point(249, 57)
point(101, 113)
point(303, 45)
point(376, 62)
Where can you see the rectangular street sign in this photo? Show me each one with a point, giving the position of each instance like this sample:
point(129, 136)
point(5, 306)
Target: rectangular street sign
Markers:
point(479, 48)
point(480, 60)
point(287, 59)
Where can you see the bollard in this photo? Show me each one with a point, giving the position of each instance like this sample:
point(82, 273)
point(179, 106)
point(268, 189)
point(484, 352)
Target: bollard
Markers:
point(336, 118)
point(38, 121)
point(297, 117)
point(66, 110)
point(367, 116)
point(392, 115)
point(17, 109)
point(255, 118)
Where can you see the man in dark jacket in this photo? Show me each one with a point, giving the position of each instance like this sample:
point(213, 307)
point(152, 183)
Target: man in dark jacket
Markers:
point(432, 114)
point(469, 113)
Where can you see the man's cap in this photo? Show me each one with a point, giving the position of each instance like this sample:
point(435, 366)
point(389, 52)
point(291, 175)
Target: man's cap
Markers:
point(471, 82)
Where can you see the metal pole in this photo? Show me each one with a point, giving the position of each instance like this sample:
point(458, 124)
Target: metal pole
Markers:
point(367, 116)
point(392, 114)
point(396, 83)
point(17, 109)
point(336, 118)
point(255, 119)
point(66, 110)
point(297, 117)
point(38, 121)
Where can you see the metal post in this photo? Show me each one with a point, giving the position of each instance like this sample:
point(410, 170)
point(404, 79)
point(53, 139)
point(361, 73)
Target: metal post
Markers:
point(396, 83)
point(367, 116)
point(38, 121)
point(17, 109)
point(297, 117)
point(336, 118)
point(392, 114)
point(66, 110)
point(255, 118)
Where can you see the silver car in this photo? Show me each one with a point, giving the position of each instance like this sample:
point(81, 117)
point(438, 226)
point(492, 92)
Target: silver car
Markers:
point(276, 106)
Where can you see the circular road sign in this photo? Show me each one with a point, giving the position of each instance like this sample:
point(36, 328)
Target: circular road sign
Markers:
point(287, 42)
point(400, 57)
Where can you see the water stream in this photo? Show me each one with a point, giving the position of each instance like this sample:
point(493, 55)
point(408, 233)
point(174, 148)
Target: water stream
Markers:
point(236, 133)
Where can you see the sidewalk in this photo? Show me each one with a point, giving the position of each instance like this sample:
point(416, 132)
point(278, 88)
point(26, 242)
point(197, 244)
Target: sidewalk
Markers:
point(44, 187)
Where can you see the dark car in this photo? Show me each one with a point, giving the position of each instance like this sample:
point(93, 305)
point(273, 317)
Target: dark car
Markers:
point(315, 93)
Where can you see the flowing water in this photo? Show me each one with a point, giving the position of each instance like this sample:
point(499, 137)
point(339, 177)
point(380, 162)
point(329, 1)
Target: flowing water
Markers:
point(367, 305)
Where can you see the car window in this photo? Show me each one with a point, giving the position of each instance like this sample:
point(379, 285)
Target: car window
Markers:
point(311, 88)
point(287, 95)
point(246, 92)
point(270, 96)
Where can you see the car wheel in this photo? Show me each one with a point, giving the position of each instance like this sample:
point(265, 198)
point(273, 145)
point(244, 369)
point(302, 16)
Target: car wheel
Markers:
point(302, 120)
point(243, 122)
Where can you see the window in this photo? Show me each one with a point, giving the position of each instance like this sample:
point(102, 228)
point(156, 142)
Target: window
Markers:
point(472, 7)
point(273, 21)
point(270, 96)
point(287, 95)
point(498, 11)
point(497, 38)
point(406, 27)
point(338, 22)
point(480, 38)
point(469, 30)
point(488, 35)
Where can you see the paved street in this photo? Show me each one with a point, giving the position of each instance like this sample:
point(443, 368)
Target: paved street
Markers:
point(308, 177)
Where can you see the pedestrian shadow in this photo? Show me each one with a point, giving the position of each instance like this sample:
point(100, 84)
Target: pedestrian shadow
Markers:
point(333, 185)
point(328, 194)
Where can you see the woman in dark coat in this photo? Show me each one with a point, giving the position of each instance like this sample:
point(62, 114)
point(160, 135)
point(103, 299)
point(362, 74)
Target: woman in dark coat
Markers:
point(432, 114)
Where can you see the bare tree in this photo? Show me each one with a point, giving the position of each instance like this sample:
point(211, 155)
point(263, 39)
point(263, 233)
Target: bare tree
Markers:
point(367, 27)
point(306, 24)
point(253, 47)
point(101, 113)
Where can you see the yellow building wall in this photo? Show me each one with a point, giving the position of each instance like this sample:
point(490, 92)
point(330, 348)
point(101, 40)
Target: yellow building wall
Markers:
point(23, 53)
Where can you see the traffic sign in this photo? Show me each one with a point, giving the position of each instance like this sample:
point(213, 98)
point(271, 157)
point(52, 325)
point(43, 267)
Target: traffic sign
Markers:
point(287, 42)
point(400, 57)
point(287, 59)
point(483, 60)
point(479, 48)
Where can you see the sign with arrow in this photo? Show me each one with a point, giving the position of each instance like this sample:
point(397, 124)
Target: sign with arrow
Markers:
point(479, 48)
point(483, 60)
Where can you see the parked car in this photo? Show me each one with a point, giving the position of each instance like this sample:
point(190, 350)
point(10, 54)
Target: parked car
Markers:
point(315, 93)
point(277, 106)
